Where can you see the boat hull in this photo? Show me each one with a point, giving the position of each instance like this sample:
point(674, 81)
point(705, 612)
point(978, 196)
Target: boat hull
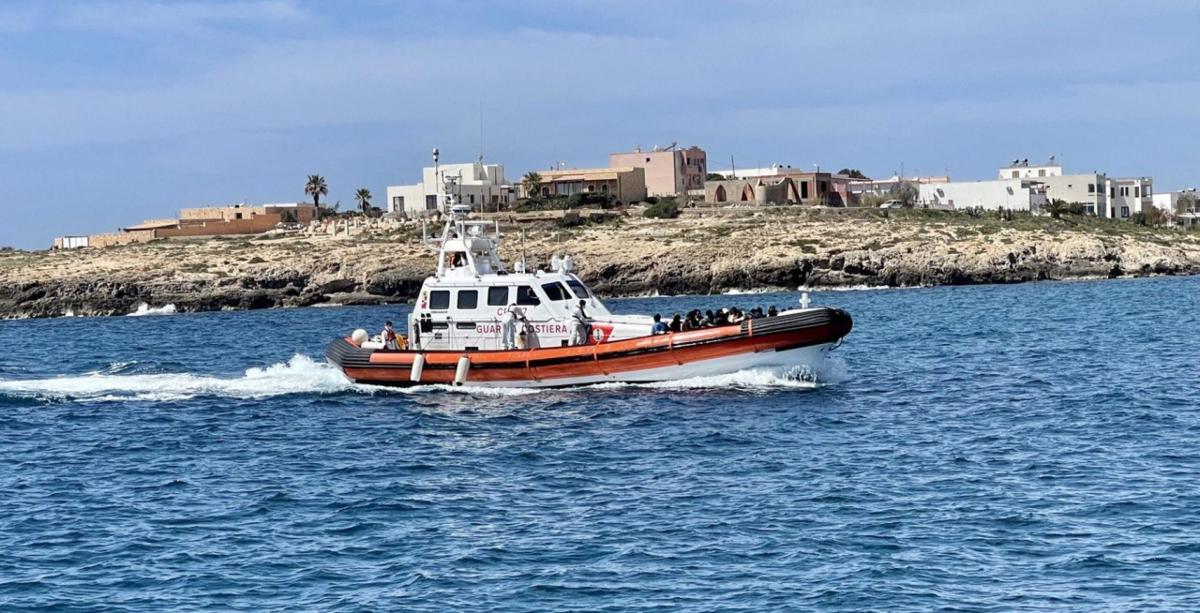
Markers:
point(794, 339)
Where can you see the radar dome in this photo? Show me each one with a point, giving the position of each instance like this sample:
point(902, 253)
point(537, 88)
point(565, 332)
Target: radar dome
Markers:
point(359, 337)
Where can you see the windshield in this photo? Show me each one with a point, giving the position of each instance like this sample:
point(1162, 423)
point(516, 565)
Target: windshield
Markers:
point(555, 291)
point(579, 289)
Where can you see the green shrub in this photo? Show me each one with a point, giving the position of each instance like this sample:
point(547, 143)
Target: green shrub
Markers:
point(665, 208)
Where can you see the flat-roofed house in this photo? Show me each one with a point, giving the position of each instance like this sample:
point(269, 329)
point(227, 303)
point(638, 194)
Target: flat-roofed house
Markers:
point(626, 185)
point(670, 171)
point(481, 186)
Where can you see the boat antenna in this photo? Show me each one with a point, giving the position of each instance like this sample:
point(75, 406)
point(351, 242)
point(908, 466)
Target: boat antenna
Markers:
point(524, 258)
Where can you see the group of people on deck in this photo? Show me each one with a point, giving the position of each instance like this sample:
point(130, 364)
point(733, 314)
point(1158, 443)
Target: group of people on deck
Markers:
point(695, 320)
point(514, 327)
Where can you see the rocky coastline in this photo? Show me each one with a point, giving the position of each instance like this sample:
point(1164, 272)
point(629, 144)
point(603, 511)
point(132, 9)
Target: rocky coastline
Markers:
point(702, 252)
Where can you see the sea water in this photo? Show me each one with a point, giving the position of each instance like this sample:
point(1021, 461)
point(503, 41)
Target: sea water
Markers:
point(985, 448)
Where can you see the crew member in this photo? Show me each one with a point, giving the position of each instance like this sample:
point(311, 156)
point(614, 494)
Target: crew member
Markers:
point(581, 322)
point(389, 337)
point(508, 326)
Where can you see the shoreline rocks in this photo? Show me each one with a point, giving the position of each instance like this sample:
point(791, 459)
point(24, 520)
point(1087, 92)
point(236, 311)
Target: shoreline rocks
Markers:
point(631, 257)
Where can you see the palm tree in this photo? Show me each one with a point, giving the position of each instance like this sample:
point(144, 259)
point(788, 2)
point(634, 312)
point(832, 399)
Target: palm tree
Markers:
point(316, 188)
point(363, 196)
point(1057, 207)
point(532, 182)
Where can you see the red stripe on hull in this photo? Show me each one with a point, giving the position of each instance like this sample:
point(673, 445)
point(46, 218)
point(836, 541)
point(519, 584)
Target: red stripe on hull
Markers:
point(589, 360)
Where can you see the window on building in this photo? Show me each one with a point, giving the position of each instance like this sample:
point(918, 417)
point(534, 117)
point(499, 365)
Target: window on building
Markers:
point(398, 202)
point(568, 188)
point(431, 202)
point(471, 198)
point(439, 300)
point(468, 299)
point(1137, 192)
point(1042, 172)
point(1124, 211)
point(1091, 188)
point(1016, 174)
point(527, 297)
point(497, 296)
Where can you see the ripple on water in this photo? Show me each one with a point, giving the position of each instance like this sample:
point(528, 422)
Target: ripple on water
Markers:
point(962, 453)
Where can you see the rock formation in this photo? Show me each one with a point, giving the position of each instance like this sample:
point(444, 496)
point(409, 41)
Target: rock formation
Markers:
point(704, 251)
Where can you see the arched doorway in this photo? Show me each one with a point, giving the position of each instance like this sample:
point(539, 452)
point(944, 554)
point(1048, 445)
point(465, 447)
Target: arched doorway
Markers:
point(720, 195)
point(747, 193)
point(789, 192)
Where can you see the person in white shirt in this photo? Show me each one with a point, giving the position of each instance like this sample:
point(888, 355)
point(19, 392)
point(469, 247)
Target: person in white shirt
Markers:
point(508, 326)
point(581, 321)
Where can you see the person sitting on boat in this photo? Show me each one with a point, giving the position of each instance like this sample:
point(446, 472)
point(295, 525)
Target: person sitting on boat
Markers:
point(389, 337)
point(710, 318)
point(676, 324)
point(659, 327)
point(771, 312)
point(508, 326)
point(581, 322)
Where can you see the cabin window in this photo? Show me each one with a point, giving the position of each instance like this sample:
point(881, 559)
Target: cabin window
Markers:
point(439, 300)
point(555, 291)
point(468, 298)
point(527, 297)
point(497, 296)
point(578, 288)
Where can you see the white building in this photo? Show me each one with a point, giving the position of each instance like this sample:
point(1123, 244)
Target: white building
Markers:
point(481, 186)
point(1089, 190)
point(1168, 202)
point(774, 170)
point(1128, 197)
point(1020, 169)
point(1116, 198)
point(1183, 206)
point(1021, 194)
point(884, 187)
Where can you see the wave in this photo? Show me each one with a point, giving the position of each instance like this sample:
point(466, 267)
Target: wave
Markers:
point(857, 288)
point(832, 370)
point(299, 375)
point(303, 375)
point(746, 292)
point(145, 309)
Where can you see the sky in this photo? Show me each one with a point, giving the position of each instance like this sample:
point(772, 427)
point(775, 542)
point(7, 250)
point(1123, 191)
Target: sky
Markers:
point(115, 111)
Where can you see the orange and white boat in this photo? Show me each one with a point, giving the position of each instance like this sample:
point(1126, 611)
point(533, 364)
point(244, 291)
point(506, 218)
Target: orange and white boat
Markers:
point(476, 323)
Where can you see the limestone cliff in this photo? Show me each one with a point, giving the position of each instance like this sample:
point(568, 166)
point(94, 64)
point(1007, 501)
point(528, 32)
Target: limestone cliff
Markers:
point(705, 251)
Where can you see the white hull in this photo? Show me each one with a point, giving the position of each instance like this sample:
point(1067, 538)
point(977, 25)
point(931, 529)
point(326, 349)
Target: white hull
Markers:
point(810, 358)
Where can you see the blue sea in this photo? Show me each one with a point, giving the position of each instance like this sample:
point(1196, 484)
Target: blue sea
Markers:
point(993, 448)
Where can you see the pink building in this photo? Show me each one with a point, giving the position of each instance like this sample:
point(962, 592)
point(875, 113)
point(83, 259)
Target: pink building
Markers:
point(670, 171)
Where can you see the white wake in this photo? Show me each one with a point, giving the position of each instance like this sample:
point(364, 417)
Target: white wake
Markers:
point(298, 376)
point(145, 309)
point(303, 375)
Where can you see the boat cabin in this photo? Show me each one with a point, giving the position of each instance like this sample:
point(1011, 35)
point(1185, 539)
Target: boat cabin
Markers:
point(461, 307)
